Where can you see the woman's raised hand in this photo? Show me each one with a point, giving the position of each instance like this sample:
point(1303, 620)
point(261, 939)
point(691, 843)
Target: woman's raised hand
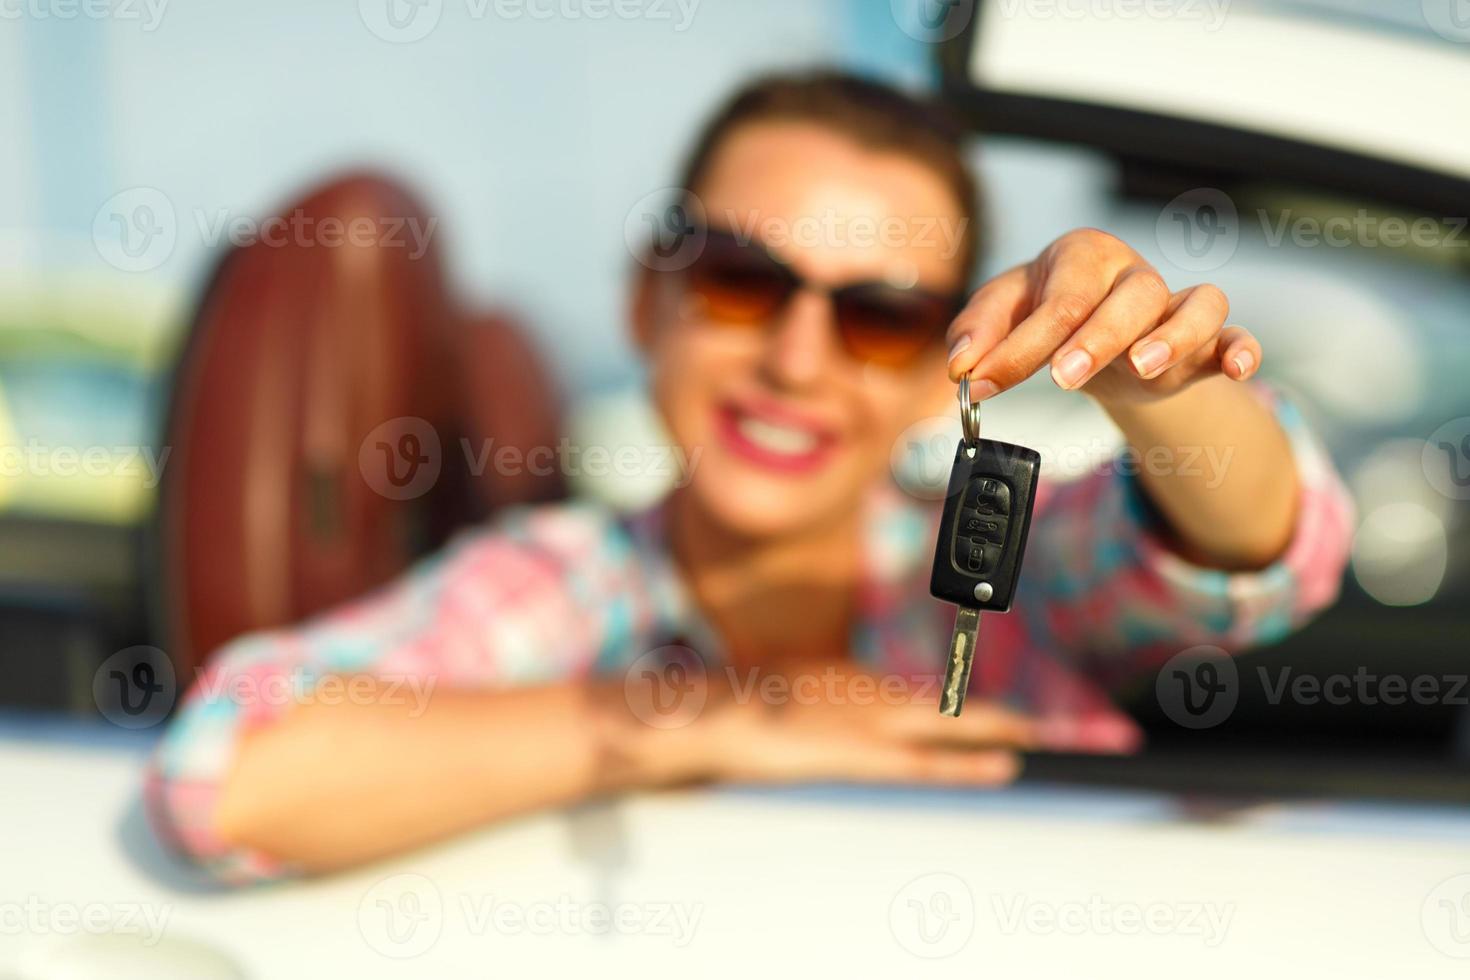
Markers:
point(1105, 321)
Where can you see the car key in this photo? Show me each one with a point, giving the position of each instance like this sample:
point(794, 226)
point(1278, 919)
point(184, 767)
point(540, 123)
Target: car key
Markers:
point(982, 539)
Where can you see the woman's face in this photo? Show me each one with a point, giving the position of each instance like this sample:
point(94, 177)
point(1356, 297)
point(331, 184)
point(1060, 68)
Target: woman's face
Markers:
point(790, 429)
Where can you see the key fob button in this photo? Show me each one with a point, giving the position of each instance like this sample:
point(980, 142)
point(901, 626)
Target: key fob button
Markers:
point(972, 555)
point(978, 556)
point(974, 524)
point(989, 496)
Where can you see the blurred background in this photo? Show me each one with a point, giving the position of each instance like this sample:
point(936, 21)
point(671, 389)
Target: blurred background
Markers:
point(1308, 156)
point(1311, 157)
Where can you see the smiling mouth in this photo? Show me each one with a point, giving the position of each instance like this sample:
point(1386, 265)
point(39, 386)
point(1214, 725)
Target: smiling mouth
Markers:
point(774, 444)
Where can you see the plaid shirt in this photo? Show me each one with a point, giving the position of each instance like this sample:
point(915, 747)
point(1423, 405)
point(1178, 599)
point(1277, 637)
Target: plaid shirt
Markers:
point(570, 590)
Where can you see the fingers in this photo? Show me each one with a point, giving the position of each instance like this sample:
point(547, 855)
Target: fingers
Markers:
point(1240, 353)
point(984, 768)
point(781, 755)
point(1094, 733)
point(935, 766)
point(981, 724)
point(894, 743)
point(1084, 303)
point(1076, 275)
point(1136, 304)
point(991, 313)
point(1188, 332)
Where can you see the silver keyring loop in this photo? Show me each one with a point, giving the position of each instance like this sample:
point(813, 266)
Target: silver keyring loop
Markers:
point(969, 415)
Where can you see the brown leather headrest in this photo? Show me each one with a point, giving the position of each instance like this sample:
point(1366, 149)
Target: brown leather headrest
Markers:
point(324, 364)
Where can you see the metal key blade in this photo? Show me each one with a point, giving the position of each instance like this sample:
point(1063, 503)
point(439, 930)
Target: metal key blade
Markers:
point(961, 659)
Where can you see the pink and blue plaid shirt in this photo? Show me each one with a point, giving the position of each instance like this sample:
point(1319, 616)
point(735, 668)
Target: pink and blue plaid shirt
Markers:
point(571, 590)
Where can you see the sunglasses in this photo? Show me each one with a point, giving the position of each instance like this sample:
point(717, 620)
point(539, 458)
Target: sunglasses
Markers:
point(742, 284)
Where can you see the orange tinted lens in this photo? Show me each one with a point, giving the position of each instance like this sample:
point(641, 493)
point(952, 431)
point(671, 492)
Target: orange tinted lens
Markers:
point(739, 283)
point(892, 327)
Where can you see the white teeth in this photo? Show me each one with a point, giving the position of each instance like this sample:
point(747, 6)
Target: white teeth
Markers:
point(777, 438)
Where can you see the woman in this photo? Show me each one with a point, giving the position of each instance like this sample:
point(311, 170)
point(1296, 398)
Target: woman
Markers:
point(496, 678)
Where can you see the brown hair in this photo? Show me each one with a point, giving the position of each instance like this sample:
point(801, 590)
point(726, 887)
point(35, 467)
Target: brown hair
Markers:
point(872, 113)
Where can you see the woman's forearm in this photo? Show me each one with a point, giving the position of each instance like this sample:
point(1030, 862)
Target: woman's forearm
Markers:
point(1221, 471)
point(330, 786)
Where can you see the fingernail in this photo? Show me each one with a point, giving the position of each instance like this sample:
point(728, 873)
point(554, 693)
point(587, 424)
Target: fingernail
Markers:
point(959, 347)
point(1057, 733)
point(1245, 360)
point(1111, 736)
point(1007, 769)
point(1153, 356)
point(982, 389)
point(1072, 369)
point(1101, 735)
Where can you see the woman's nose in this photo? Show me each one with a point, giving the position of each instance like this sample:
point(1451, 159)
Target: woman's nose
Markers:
point(801, 345)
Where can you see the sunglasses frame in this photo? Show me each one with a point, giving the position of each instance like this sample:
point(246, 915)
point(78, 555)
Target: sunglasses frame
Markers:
point(795, 282)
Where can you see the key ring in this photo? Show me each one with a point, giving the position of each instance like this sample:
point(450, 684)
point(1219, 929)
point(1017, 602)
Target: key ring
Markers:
point(969, 415)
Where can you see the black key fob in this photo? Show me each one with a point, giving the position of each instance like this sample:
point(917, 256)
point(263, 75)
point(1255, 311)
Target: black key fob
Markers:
point(987, 514)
